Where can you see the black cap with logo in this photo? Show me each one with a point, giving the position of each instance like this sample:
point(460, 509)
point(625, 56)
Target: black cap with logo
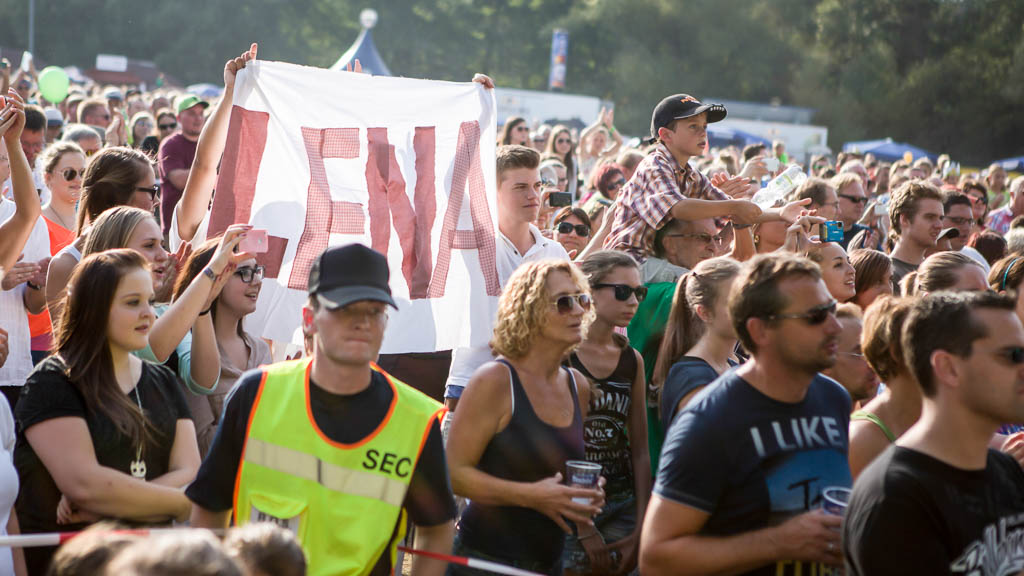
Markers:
point(679, 106)
point(345, 274)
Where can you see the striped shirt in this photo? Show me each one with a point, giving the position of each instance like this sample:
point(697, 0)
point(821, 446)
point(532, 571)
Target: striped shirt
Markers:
point(645, 203)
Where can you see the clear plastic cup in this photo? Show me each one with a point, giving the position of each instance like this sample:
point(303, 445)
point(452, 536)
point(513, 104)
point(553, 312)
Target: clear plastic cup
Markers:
point(834, 500)
point(582, 474)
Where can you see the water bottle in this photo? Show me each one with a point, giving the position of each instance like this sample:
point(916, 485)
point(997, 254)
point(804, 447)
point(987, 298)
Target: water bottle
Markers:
point(779, 187)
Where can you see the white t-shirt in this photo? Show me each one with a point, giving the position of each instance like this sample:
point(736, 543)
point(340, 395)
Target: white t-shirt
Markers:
point(977, 257)
point(8, 482)
point(174, 239)
point(465, 361)
point(13, 314)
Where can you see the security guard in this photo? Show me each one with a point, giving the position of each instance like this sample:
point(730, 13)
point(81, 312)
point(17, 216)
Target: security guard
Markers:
point(331, 447)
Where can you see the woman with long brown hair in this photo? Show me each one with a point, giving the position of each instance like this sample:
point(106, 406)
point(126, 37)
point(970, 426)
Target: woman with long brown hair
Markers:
point(560, 147)
point(104, 434)
point(515, 131)
point(699, 340)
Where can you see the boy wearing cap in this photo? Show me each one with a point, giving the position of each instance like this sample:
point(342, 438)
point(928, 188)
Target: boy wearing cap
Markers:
point(665, 186)
point(177, 153)
point(331, 447)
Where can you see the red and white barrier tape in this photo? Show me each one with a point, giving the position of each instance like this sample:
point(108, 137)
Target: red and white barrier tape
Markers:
point(58, 538)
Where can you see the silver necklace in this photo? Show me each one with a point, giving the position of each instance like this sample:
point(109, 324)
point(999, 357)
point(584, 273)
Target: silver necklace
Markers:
point(138, 466)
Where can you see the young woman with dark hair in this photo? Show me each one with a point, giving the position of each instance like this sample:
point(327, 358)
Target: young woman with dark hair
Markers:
point(515, 131)
point(104, 433)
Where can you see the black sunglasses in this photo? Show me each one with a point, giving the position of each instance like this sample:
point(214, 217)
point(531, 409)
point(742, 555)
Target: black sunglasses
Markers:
point(563, 141)
point(565, 303)
point(617, 184)
point(582, 230)
point(72, 173)
point(170, 126)
point(812, 317)
point(855, 199)
point(152, 190)
point(249, 273)
point(1014, 355)
point(624, 291)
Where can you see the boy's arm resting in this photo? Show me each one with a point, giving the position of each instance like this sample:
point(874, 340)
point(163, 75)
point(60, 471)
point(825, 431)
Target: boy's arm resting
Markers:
point(698, 209)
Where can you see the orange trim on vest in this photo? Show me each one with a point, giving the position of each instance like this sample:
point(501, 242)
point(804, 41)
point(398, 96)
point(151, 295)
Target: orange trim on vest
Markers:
point(245, 444)
point(371, 435)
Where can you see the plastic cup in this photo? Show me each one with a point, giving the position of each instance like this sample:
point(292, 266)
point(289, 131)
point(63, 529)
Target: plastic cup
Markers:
point(582, 474)
point(834, 500)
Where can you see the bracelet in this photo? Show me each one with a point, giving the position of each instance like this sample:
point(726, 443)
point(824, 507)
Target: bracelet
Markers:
point(209, 274)
point(33, 285)
point(205, 312)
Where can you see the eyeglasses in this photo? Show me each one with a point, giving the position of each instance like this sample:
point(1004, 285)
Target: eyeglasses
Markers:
point(250, 273)
point(624, 291)
point(152, 190)
point(1013, 354)
point(812, 317)
point(703, 237)
point(617, 184)
point(565, 303)
point(854, 199)
point(582, 230)
point(170, 126)
point(960, 220)
point(72, 173)
point(563, 141)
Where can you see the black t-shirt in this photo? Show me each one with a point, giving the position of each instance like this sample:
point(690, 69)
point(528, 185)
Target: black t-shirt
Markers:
point(751, 461)
point(49, 394)
point(849, 234)
point(899, 270)
point(685, 376)
point(913, 514)
point(343, 418)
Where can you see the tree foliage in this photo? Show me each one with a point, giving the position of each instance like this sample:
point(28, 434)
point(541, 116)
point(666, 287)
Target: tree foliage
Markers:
point(943, 74)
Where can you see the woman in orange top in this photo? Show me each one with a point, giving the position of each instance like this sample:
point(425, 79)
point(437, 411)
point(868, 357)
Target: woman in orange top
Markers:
point(63, 164)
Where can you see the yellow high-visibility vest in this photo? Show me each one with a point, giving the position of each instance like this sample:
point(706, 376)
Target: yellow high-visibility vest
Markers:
point(342, 501)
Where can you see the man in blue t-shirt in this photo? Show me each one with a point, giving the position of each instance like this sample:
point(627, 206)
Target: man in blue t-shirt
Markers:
point(744, 465)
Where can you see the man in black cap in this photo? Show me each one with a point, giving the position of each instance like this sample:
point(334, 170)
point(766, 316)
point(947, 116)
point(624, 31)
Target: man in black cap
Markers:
point(331, 447)
point(665, 186)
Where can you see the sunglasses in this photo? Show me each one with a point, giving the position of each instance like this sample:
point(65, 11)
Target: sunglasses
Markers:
point(977, 200)
point(582, 230)
point(855, 199)
point(250, 273)
point(617, 184)
point(89, 153)
point(152, 190)
point(624, 291)
point(812, 317)
point(563, 141)
point(170, 126)
point(72, 173)
point(565, 304)
point(703, 237)
point(1014, 355)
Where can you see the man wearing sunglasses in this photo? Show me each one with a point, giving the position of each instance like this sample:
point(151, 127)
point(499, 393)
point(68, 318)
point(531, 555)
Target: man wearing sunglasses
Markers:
point(852, 201)
point(953, 504)
point(678, 247)
point(744, 465)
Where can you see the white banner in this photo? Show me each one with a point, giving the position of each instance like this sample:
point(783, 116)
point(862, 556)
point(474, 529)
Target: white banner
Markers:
point(321, 158)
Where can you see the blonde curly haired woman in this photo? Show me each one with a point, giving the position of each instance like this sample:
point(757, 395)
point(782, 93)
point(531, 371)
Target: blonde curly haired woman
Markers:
point(519, 420)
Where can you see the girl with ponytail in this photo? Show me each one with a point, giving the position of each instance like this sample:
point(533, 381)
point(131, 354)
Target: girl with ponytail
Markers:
point(699, 339)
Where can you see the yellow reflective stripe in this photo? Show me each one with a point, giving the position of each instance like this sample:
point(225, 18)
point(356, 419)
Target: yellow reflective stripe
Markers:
point(330, 476)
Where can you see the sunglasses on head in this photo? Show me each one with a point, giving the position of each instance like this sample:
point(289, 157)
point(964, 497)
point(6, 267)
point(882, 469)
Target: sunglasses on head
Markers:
point(812, 317)
point(72, 173)
point(565, 303)
point(250, 273)
point(1013, 354)
point(624, 291)
point(582, 230)
point(170, 126)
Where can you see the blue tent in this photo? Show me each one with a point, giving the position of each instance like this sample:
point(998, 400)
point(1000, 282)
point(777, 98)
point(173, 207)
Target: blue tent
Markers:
point(887, 150)
point(1012, 164)
point(721, 137)
point(363, 49)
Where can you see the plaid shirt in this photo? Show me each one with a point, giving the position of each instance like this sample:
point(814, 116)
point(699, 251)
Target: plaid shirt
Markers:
point(999, 220)
point(645, 203)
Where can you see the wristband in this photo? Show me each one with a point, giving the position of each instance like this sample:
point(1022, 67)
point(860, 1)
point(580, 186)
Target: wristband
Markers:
point(33, 285)
point(209, 274)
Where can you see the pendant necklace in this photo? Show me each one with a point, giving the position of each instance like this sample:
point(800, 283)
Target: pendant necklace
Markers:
point(138, 466)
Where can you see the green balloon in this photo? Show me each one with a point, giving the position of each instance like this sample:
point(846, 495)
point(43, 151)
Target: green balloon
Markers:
point(54, 83)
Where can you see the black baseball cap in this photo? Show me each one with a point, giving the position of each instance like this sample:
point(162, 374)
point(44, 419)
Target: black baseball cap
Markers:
point(679, 106)
point(345, 274)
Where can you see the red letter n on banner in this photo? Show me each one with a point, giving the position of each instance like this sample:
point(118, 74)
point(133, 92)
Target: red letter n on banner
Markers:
point(236, 185)
point(467, 170)
point(323, 215)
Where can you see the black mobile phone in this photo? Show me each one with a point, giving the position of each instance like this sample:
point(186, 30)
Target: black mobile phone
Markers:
point(559, 199)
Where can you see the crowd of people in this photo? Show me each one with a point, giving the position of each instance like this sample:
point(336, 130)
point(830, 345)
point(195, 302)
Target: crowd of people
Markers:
point(761, 393)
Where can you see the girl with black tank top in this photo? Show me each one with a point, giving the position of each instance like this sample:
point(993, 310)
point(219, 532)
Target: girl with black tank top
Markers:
point(615, 430)
point(518, 422)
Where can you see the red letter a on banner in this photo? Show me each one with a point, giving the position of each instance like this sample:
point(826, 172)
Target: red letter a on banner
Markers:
point(467, 170)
